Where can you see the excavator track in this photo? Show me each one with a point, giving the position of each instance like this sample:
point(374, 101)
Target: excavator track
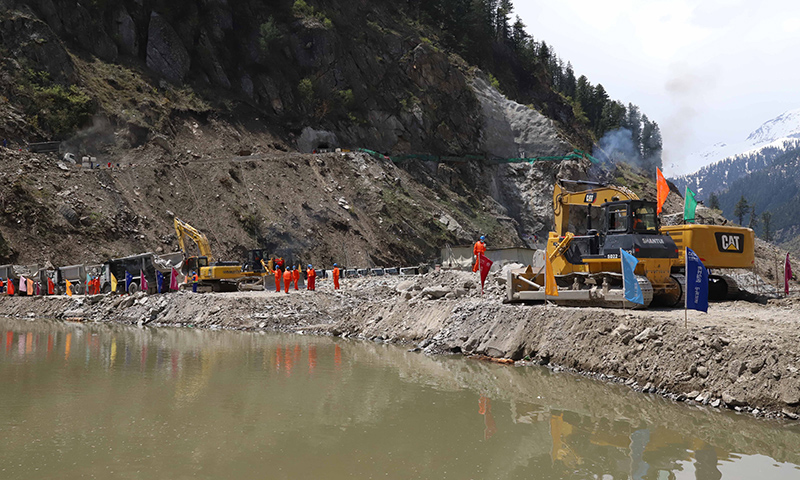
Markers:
point(723, 287)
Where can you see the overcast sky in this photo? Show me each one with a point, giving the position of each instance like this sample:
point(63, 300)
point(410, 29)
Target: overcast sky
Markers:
point(706, 71)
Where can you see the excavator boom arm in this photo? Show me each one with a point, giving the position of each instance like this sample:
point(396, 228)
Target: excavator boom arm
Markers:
point(183, 229)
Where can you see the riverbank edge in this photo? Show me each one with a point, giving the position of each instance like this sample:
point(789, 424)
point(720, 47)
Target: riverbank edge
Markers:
point(650, 354)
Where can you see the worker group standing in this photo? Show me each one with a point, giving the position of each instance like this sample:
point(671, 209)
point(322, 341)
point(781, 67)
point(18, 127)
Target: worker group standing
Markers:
point(478, 250)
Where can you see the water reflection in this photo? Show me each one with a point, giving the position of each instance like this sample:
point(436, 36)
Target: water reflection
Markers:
point(233, 405)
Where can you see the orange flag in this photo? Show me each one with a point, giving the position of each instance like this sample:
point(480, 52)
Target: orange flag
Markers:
point(69, 288)
point(30, 287)
point(10, 288)
point(662, 189)
point(51, 287)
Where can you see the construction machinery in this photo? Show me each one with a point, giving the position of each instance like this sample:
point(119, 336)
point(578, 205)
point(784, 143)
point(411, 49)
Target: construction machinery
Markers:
point(593, 222)
point(217, 276)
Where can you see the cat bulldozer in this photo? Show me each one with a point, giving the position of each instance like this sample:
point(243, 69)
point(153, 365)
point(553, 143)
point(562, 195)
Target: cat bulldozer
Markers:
point(217, 276)
point(593, 222)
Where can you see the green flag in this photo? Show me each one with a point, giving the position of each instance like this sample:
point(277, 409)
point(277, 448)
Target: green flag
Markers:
point(689, 206)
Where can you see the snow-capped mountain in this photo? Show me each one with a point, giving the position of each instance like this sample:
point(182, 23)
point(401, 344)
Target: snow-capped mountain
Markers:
point(732, 161)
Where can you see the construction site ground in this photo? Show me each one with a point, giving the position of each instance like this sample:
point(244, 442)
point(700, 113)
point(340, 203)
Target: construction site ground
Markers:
point(739, 355)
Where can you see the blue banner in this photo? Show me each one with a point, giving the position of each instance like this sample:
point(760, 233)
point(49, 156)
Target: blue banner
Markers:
point(128, 280)
point(696, 282)
point(159, 281)
point(633, 292)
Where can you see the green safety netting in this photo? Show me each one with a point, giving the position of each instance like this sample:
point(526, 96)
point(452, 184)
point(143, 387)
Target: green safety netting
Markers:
point(576, 154)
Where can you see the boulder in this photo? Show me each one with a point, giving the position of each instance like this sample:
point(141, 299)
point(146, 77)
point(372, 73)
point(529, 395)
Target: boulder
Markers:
point(435, 292)
point(731, 400)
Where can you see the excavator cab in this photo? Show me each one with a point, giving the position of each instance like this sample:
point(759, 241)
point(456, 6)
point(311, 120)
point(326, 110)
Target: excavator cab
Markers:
point(631, 216)
point(193, 264)
point(253, 263)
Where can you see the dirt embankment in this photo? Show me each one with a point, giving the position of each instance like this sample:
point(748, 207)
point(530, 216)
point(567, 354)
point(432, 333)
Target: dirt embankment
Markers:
point(739, 355)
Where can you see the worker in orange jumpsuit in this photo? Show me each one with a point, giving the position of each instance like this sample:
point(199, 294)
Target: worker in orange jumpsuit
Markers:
point(287, 279)
point(278, 275)
point(335, 276)
point(295, 276)
point(478, 250)
point(312, 277)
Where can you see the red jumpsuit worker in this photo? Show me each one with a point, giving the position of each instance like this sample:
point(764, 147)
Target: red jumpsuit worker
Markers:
point(335, 277)
point(296, 276)
point(278, 280)
point(287, 279)
point(478, 250)
point(312, 277)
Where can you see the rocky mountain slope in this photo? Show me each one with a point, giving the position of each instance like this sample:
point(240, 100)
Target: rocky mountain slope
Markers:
point(763, 168)
point(202, 110)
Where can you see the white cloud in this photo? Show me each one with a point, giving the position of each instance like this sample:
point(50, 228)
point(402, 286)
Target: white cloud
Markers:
point(706, 71)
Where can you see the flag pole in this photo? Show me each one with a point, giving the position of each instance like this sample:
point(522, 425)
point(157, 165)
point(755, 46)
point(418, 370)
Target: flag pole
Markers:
point(621, 267)
point(480, 254)
point(685, 294)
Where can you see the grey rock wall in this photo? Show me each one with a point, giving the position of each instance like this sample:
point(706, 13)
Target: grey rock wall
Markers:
point(166, 54)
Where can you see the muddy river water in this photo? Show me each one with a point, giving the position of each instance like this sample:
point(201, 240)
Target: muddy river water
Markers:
point(100, 401)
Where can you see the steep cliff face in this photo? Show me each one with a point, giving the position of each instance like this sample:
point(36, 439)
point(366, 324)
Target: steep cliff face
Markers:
point(358, 69)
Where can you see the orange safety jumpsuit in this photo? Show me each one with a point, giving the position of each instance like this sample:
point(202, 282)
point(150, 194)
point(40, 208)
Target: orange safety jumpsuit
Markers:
point(287, 279)
point(312, 276)
point(478, 250)
point(296, 277)
point(336, 278)
point(278, 280)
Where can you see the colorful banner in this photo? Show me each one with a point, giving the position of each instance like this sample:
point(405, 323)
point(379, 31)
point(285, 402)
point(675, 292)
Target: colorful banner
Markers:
point(696, 283)
point(787, 275)
point(173, 280)
point(159, 281)
point(113, 283)
point(662, 189)
point(486, 265)
point(142, 281)
point(689, 206)
point(128, 281)
point(630, 285)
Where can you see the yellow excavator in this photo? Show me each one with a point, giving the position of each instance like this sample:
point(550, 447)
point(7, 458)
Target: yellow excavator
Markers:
point(593, 222)
point(217, 276)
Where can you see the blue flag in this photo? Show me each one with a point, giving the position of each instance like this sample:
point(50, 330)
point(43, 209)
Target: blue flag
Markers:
point(159, 280)
point(696, 282)
point(128, 280)
point(633, 292)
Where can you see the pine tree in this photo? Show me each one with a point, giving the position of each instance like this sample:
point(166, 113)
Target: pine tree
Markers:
point(503, 20)
point(519, 37)
point(713, 201)
point(611, 118)
point(570, 83)
point(599, 100)
point(633, 122)
point(753, 223)
point(741, 209)
point(543, 54)
point(651, 145)
point(766, 220)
